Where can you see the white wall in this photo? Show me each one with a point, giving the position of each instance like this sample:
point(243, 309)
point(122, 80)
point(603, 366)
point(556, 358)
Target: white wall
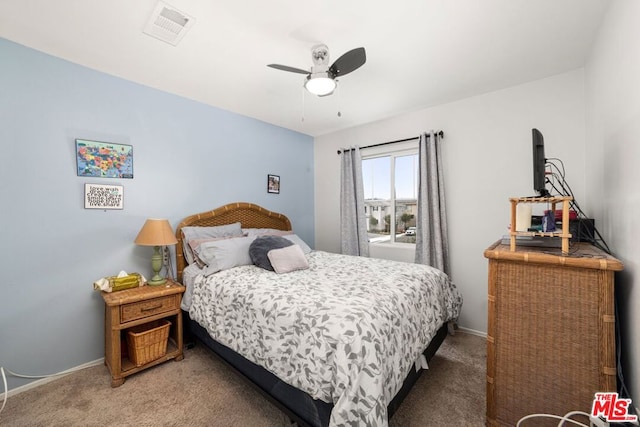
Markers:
point(487, 159)
point(612, 77)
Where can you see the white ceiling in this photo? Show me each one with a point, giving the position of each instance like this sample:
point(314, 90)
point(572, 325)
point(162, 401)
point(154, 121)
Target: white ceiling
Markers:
point(420, 53)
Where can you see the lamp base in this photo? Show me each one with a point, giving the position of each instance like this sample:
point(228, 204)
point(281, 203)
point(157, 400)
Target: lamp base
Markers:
point(157, 282)
point(156, 266)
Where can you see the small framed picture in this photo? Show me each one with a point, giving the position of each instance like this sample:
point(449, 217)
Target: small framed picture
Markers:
point(273, 184)
point(96, 159)
point(98, 196)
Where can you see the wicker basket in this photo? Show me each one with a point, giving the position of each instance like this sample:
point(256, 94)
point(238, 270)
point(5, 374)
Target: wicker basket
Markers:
point(148, 342)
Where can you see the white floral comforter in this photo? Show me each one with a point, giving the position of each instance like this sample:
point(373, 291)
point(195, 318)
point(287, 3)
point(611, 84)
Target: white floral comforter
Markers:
point(346, 331)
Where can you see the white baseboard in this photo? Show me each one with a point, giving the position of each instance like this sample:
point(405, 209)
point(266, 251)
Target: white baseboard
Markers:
point(472, 331)
point(48, 378)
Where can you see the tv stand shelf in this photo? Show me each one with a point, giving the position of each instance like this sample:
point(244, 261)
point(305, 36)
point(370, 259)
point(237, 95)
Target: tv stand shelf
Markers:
point(553, 200)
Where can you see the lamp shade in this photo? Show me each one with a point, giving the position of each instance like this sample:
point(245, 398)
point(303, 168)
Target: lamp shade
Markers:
point(156, 232)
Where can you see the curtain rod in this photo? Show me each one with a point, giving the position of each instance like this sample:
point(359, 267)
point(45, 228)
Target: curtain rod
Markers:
point(440, 133)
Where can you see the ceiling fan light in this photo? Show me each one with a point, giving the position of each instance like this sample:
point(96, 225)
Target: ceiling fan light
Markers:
point(320, 84)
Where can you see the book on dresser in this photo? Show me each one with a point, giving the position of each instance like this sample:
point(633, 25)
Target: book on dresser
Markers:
point(550, 332)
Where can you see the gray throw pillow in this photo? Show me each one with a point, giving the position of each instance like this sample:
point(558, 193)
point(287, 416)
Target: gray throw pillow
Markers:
point(261, 246)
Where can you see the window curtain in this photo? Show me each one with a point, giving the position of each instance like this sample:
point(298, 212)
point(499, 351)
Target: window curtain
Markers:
point(432, 244)
point(353, 227)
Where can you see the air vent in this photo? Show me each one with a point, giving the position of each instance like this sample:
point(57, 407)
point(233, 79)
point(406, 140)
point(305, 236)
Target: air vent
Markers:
point(168, 24)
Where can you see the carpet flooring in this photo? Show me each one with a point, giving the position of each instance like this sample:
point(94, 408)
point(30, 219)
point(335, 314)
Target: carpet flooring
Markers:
point(201, 391)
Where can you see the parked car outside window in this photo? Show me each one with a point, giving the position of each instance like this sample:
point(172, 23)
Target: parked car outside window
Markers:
point(411, 231)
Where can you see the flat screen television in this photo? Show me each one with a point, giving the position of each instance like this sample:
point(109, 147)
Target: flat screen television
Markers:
point(539, 164)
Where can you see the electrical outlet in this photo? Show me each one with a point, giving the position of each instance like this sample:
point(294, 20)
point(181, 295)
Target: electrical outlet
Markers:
point(165, 255)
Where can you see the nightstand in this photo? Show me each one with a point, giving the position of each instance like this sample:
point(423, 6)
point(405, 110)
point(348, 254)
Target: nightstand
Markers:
point(134, 307)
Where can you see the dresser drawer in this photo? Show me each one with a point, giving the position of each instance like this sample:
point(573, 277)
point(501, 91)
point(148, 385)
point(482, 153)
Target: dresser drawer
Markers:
point(142, 309)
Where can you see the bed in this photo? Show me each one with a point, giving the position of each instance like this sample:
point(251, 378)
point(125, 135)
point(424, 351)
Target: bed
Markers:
point(340, 342)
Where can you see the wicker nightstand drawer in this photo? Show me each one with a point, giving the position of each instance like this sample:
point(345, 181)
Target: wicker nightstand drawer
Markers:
point(139, 310)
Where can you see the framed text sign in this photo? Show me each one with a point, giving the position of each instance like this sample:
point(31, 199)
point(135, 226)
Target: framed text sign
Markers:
point(98, 196)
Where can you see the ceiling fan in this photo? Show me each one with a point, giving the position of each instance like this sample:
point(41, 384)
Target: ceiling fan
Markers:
point(321, 80)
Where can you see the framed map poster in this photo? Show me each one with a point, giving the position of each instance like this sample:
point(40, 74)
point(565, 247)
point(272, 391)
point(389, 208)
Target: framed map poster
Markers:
point(104, 159)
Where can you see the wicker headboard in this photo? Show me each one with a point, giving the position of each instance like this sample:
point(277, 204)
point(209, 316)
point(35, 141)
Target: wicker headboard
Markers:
point(248, 214)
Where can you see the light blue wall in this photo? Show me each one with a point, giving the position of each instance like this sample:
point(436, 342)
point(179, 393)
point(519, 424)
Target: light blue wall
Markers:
point(188, 158)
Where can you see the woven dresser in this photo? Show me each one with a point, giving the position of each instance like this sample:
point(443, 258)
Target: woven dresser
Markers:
point(550, 332)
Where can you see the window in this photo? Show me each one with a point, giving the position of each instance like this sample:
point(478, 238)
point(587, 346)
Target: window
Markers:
point(388, 209)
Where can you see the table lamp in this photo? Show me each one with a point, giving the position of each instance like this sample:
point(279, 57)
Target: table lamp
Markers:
point(156, 233)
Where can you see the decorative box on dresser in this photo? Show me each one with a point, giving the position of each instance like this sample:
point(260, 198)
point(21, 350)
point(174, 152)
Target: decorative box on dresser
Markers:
point(135, 307)
point(551, 331)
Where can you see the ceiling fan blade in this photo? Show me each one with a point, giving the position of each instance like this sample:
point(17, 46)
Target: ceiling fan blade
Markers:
point(287, 68)
point(349, 62)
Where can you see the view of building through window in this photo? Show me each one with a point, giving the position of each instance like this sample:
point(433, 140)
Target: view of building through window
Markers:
point(388, 210)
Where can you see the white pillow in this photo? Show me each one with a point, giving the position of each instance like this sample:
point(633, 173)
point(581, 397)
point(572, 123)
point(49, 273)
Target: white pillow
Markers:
point(298, 241)
point(265, 232)
point(286, 260)
point(224, 254)
point(189, 233)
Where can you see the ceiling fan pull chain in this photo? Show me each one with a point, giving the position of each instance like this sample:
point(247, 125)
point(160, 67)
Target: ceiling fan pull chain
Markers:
point(339, 98)
point(303, 102)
